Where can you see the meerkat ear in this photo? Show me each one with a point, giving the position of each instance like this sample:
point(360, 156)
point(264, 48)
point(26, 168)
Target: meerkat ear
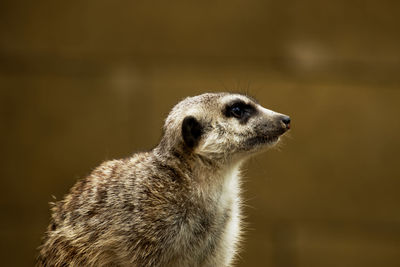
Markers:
point(191, 131)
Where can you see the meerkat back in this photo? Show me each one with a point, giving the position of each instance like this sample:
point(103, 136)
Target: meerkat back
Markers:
point(176, 205)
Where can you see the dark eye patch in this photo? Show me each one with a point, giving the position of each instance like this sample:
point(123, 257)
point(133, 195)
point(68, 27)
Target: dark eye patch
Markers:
point(240, 110)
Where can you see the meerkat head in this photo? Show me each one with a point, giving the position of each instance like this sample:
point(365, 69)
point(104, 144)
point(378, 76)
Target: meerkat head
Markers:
point(222, 126)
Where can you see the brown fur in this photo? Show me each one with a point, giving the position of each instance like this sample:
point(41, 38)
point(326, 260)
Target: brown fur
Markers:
point(165, 207)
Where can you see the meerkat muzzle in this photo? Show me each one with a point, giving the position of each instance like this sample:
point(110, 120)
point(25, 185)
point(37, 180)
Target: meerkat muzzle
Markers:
point(285, 122)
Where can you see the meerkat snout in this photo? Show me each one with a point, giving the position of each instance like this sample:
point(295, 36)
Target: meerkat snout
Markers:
point(176, 205)
point(286, 122)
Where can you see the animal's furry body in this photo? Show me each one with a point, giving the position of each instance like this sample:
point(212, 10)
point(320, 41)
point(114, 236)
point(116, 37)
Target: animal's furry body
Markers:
point(177, 205)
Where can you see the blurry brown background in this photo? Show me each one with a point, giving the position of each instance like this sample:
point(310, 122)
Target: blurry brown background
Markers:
point(86, 81)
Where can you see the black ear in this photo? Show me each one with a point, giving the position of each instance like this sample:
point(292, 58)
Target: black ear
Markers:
point(191, 131)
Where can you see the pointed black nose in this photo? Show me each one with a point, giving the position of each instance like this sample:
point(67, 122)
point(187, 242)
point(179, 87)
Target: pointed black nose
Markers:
point(286, 121)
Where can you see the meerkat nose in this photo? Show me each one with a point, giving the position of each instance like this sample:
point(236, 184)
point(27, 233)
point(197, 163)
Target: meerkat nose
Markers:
point(286, 121)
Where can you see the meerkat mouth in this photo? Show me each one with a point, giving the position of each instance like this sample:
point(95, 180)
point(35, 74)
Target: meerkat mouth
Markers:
point(263, 140)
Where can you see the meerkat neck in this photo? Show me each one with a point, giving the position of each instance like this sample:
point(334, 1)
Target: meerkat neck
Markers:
point(204, 172)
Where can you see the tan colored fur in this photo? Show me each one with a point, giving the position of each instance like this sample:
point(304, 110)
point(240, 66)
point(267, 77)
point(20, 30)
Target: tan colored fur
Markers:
point(176, 205)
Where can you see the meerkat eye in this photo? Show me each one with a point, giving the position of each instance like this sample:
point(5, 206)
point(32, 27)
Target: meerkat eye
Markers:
point(237, 112)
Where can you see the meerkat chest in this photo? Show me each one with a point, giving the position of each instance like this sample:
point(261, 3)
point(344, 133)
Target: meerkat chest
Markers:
point(230, 205)
point(224, 227)
point(211, 233)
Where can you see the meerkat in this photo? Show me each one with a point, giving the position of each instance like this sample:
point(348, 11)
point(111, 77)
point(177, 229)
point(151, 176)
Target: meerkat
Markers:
point(176, 205)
